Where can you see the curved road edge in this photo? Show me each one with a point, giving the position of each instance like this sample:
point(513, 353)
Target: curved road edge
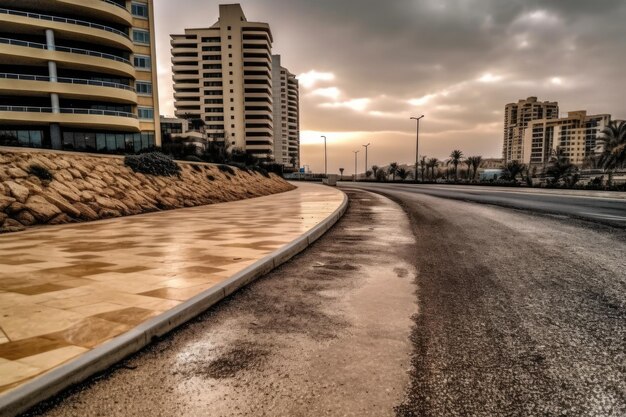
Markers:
point(99, 359)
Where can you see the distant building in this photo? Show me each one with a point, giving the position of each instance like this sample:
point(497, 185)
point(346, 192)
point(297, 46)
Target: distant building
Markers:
point(577, 136)
point(517, 116)
point(286, 115)
point(223, 75)
point(78, 75)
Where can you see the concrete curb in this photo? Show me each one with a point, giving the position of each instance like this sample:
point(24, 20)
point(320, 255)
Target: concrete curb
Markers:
point(101, 358)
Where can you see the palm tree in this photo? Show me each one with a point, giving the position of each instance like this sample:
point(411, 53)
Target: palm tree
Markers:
point(468, 162)
point(393, 169)
point(368, 173)
point(432, 163)
point(476, 161)
point(455, 159)
point(614, 154)
point(423, 166)
point(375, 169)
point(381, 175)
point(341, 172)
point(512, 169)
point(560, 168)
point(402, 173)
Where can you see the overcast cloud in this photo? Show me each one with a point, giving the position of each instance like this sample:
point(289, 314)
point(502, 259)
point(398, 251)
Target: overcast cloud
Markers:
point(367, 65)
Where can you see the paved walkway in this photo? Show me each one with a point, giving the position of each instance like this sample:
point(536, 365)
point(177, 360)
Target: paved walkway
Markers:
point(67, 289)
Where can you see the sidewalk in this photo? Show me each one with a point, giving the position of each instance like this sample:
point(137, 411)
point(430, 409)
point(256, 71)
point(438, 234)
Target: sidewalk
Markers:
point(65, 290)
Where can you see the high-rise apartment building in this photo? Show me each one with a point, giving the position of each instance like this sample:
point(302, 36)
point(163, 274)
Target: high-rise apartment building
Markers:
point(577, 135)
point(516, 119)
point(223, 75)
point(78, 75)
point(286, 115)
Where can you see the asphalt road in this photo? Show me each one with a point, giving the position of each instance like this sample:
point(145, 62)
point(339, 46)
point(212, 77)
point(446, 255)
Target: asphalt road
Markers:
point(450, 308)
point(607, 208)
point(520, 315)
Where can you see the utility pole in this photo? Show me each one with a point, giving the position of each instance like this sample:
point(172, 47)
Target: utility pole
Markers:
point(417, 143)
point(355, 164)
point(366, 146)
point(325, 159)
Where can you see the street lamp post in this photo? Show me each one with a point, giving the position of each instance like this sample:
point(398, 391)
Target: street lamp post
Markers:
point(417, 142)
point(366, 146)
point(325, 160)
point(355, 164)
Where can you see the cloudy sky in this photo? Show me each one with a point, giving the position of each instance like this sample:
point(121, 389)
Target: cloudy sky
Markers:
point(366, 66)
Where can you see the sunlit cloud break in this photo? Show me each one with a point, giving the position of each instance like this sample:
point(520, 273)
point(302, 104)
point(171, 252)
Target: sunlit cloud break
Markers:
point(310, 78)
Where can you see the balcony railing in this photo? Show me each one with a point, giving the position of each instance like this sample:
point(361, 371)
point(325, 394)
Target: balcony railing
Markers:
point(78, 81)
point(63, 20)
point(17, 42)
point(29, 109)
point(115, 3)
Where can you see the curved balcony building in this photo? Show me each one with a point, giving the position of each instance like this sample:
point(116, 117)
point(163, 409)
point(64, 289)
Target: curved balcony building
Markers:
point(223, 75)
point(286, 116)
point(78, 75)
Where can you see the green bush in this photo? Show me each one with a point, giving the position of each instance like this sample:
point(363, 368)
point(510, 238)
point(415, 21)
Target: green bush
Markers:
point(153, 163)
point(40, 172)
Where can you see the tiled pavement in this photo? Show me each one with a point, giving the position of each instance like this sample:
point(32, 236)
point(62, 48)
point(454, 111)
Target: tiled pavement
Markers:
point(67, 289)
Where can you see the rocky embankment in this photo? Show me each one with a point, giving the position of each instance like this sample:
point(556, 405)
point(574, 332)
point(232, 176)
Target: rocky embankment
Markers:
point(44, 187)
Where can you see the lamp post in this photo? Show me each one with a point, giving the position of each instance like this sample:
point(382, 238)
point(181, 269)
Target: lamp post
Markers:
point(366, 146)
point(417, 142)
point(355, 164)
point(325, 163)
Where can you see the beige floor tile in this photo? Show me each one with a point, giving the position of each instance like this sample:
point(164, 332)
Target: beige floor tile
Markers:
point(50, 359)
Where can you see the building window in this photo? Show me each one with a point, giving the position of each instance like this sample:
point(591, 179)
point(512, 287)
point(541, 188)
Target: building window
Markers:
point(143, 62)
point(228, 27)
point(146, 113)
point(144, 88)
point(141, 36)
point(140, 10)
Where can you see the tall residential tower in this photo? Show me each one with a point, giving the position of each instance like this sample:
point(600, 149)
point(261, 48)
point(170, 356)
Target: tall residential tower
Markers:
point(223, 75)
point(286, 115)
point(516, 119)
point(78, 75)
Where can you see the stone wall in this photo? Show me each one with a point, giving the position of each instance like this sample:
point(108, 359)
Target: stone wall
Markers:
point(88, 187)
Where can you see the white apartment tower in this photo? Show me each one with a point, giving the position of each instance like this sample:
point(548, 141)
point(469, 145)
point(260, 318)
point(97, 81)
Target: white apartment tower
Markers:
point(286, 115)
point(517, 116)
point(577, 135)
point(223, 75)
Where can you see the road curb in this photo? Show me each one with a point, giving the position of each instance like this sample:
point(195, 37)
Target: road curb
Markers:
point(101, 358)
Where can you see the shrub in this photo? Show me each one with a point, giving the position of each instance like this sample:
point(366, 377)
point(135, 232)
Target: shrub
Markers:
point(40, 172)
point(210, 177)
point(153, 163)
point(192, 158)
point(226, 169)
point(196, 168)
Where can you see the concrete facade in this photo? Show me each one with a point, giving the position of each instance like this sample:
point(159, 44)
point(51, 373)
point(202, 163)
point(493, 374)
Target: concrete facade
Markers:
point(223, 75)
point(78, 75)
point(577, 135)
point(517, 116)
point(286, 115)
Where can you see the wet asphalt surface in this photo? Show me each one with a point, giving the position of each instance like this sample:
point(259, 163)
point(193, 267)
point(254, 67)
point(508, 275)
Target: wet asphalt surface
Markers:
point(458, 309)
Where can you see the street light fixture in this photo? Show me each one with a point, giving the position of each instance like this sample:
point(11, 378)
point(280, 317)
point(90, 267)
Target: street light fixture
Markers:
point(417, 142)
point(355, 164)
point(325, 163)
point(366, 146)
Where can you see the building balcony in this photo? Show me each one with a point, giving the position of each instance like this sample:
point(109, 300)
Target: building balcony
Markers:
point(102, 10)
point(20, 52)
point(34, 85)
point(73, 29)
point(84, 118)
